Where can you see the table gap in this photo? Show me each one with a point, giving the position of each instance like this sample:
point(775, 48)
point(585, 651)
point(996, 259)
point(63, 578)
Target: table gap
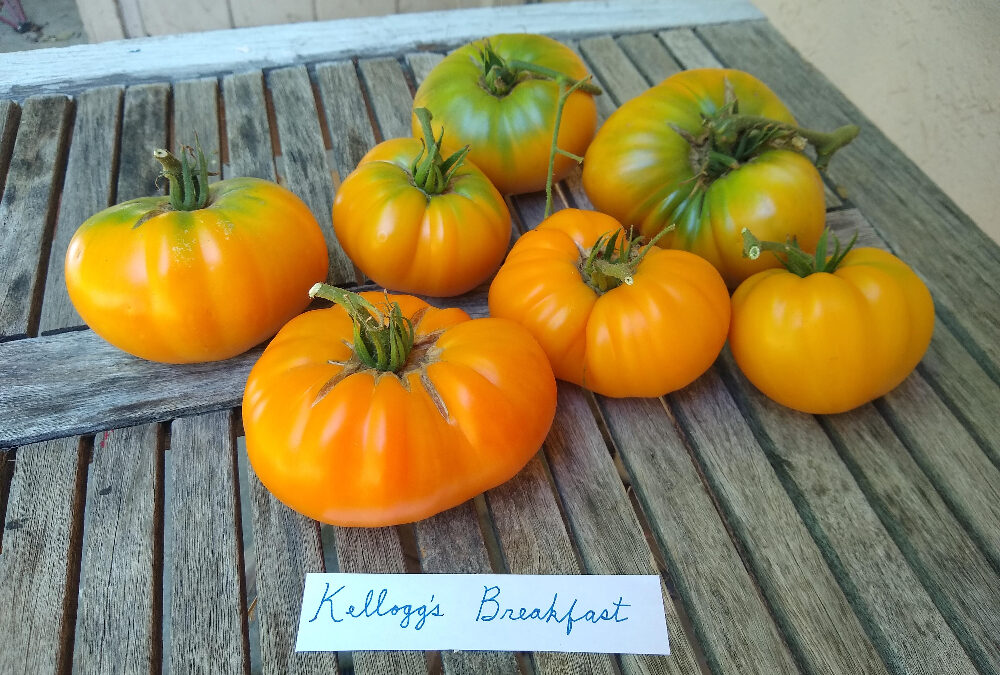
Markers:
point(74, 561)
point(238, 522)
point(7, 457)
point(8, 132)
point(249, 546)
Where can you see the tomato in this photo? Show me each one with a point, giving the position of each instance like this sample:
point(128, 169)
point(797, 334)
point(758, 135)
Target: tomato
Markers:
point(711, 151)
point(412, 227)
point(185, 286)
point(350, 440)
point(652, 329)
point(829, 341)
point(498, 96)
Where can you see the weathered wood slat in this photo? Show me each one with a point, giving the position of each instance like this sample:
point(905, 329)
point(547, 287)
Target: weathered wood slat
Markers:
point(248, 132)
point(41, 556)
point(196, 119)
point(902, 620)
point(731, 620)
point(901, 202)
point(10, 114)
point(250, 13)
point(604, 526)
point(389, 95)
point(87, 189)
point(208, 631)
point(306, 170)
point(144, 128)
point(351, 135)
point(27, 210)
point(803, 593)
point(160, 19)
point(118, 621)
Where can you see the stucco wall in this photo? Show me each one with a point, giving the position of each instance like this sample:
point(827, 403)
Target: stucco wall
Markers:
point(927, 72)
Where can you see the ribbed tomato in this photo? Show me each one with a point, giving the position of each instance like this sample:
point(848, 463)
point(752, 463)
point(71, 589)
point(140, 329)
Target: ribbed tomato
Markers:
point(615, 319)
point(184, 286)
point(418, 412)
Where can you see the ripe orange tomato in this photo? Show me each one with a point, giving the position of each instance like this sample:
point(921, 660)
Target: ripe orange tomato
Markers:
point(499, 96)
point(185, 286)
point(830, 341)
point(411, 230)
point(652, 329)
point(352, 441)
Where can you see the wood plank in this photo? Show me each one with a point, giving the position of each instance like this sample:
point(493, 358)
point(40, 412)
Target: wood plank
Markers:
point(389, 95)
point(901, 618)
point(76, 382)
point(307, 173)
point(196, 118)
point(956, 573)
point(100, 20)
point(534, 540)
point(87, 189)
point(10, 115)
point(27, 210)
point(41, 557)
point(343, 9)
point(251, 13)
point(351, 134)
point(208, 630)
point(131, 16)
point(196, 55)
point(183, 16)
point(730, 618)
point(248, 132)
point(606, 530)
point(903, 204)
point(144, 128)
point(648, 55)
point(804, 596)
point(119, 617)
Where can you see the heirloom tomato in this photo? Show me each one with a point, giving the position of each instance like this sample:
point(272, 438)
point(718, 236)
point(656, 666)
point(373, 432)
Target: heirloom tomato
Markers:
point(711, 151)
point(201, 275)
point(500, 96)
point(615, 318)
point(825, 335)
point(415, 222)
point(384, 410)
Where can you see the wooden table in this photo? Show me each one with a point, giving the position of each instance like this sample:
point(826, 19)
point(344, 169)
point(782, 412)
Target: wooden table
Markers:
point(136, 538)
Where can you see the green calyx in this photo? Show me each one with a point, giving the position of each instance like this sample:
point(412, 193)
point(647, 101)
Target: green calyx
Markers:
point(188, 183)
point(383, 338)
point(431, 172)
point(614, 258)
point(794, 258)
point(729, 139)
point(501, 75)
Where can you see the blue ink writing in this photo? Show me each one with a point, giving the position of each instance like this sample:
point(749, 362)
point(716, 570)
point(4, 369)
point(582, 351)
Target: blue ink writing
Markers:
point(378, 607)
point(327, 598)
point(490, 609)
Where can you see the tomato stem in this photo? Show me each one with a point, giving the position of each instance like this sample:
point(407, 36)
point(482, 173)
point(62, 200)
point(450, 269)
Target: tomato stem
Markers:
point(381, 340)
point(500, 75)
point(188, 189)
point(612, 261)
point(794, 258)
point(431, 172)
point(566, 89)
point(735, 128)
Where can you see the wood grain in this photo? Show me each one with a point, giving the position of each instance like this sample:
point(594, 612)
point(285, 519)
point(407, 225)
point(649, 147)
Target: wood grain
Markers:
point(351, 134)
point(144, 128)
point(804, 596)
point(10, 115)
point(389, 95)
point(248, 132)
point(87, 189)
point(251, 13)
point(27, 210)
point(118, 622)
point(100, 20)
point(731, 620)
point(39, 566)
point(196, 119)
point(208, 631)
point(306, 170)
point(183, 16)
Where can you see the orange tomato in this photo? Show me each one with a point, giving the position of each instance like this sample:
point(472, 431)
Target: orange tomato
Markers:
point(351, 445)
point(199, 285)
point(644, 338)
point(829, 342)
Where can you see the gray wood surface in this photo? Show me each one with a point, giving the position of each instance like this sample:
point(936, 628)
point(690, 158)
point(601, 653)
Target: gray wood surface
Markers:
point(75, 382)
point(27, 210)
point(40, 562)
point(144, 129)
point(87, 189)
point(803, 593)
point(196, 118)
point(119, 616)
point(389, 96)
point(208, 630)
point(10, 115)
point(730, 618)
point(351, 135)
point(248, 134)
point(303, 150)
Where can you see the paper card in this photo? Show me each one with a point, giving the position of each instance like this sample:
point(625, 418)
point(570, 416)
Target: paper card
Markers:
point(509, 612)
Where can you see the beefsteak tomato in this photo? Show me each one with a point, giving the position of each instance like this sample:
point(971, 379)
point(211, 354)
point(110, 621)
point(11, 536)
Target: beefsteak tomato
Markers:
point(202, 275)
point(711, 151)
point(825, 335)
point(500, 96)
point(614, 318)
point(386, 411)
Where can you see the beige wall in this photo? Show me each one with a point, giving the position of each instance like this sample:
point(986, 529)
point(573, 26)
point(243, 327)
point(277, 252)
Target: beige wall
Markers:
point(927, 72)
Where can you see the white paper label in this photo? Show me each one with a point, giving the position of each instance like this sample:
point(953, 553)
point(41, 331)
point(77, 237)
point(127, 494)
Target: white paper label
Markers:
point(509, 612)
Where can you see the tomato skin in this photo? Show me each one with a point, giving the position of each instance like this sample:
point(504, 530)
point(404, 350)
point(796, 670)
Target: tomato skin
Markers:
point(409, 241)
point(828, 343)
point(509, 135)
point(369, 451)
point(194, 286)
point(638, 169)
point(646, 339)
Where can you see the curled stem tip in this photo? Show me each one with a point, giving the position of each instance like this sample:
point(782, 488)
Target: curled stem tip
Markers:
point(188, 184)
point(794, 259)
point(431, 172)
